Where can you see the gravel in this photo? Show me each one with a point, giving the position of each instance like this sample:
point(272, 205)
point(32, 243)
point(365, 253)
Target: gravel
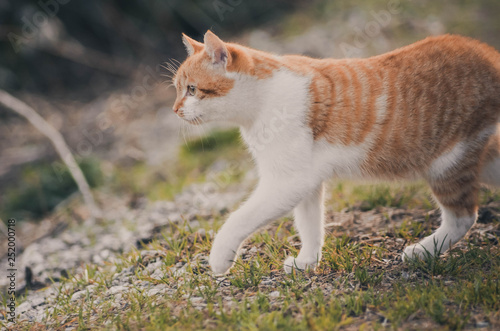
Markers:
point(124, 228)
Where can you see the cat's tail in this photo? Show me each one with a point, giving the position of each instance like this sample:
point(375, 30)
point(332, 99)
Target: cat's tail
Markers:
point(490, 175)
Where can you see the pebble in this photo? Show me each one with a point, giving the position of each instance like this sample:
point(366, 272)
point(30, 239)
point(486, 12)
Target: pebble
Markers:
point(266, 282)
point(37, 301)
point(153, 292)
point(78, 295)
point(91, 288)
point(274, 294)
point(146, 253)
point(196, 300)
point(116, 289)
point(23, 307)
point(103, 243)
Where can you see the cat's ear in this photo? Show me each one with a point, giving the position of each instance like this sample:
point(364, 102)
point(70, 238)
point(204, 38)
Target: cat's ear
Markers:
point(216, 49)
point(192, 46)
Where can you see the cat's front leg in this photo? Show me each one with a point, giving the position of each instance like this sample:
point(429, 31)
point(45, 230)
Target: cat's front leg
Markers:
point(309, 221)
point(271, 200)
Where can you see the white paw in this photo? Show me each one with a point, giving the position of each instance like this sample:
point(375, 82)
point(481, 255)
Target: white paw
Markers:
point(292, 263)
point(414, 251)
point(222, 257)
point(220, 265)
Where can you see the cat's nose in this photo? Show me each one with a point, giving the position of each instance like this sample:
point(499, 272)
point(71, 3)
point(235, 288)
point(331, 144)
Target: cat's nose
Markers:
point(175, 109)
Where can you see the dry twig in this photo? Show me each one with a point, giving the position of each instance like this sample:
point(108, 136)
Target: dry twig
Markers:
point(57, 140)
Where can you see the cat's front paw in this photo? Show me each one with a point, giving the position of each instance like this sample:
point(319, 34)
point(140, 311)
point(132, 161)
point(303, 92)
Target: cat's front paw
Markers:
point(222, 257)
point(292, 263)
point(220, 265)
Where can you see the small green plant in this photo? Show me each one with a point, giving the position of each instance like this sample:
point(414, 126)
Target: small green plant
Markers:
point(43, 186)
point(218, 139)
point(247, 275)
point(367, 278)
point(410, 230)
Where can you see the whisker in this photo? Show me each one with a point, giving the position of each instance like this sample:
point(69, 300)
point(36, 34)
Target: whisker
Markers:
point(165, 66)
point(168, 76)
point(164, 84)
point(179, 63)
point(171, 61)
point(170, 68)
point(174, 65)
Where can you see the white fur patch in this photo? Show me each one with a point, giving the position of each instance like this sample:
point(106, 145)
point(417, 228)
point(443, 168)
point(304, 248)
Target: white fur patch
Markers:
point(447, 161)
point(278, 136)
point(189, 107)
point(339, 160)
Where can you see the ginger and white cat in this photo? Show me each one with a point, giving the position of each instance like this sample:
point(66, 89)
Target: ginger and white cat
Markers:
point(429, 110)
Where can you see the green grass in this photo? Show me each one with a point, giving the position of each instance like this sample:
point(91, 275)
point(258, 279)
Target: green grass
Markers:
point(352, 287)
point(192, 165)
point(348, 194)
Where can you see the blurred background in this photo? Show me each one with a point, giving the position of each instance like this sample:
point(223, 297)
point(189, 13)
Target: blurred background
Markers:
point(93, 69)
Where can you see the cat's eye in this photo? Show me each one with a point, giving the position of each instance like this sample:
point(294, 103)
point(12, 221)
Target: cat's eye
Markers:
point(191, 89)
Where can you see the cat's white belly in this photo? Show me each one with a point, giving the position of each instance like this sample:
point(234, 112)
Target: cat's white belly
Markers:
point(339, 161)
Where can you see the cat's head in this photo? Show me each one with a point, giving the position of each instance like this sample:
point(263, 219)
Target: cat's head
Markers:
point(203, 81)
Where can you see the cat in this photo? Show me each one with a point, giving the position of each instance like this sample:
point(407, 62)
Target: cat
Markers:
point(428, 110)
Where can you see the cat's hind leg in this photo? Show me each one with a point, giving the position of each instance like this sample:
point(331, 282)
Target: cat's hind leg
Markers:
point(454, 180)
point(490, 172)
point(455, 223)
point(309, 222)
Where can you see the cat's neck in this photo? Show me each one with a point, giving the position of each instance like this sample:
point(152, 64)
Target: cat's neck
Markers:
point(276, 112)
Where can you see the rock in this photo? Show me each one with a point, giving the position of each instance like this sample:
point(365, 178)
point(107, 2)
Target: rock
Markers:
point(78, 295)
point(482, 324)
point(152, 267)
point(116, 289)
point(153, 291)
point(23, 307)
point(105, 254)
point(158, 274)
point(151, 254)
point(37, 301)
point(266, 282)
point(118, 298)
point(91, 288)
point(274, 294)
point(97, 259)
point(54, 245)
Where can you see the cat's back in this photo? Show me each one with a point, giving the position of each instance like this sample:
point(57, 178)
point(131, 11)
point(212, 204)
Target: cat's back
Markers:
point(446, 74)
point(445, 51)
